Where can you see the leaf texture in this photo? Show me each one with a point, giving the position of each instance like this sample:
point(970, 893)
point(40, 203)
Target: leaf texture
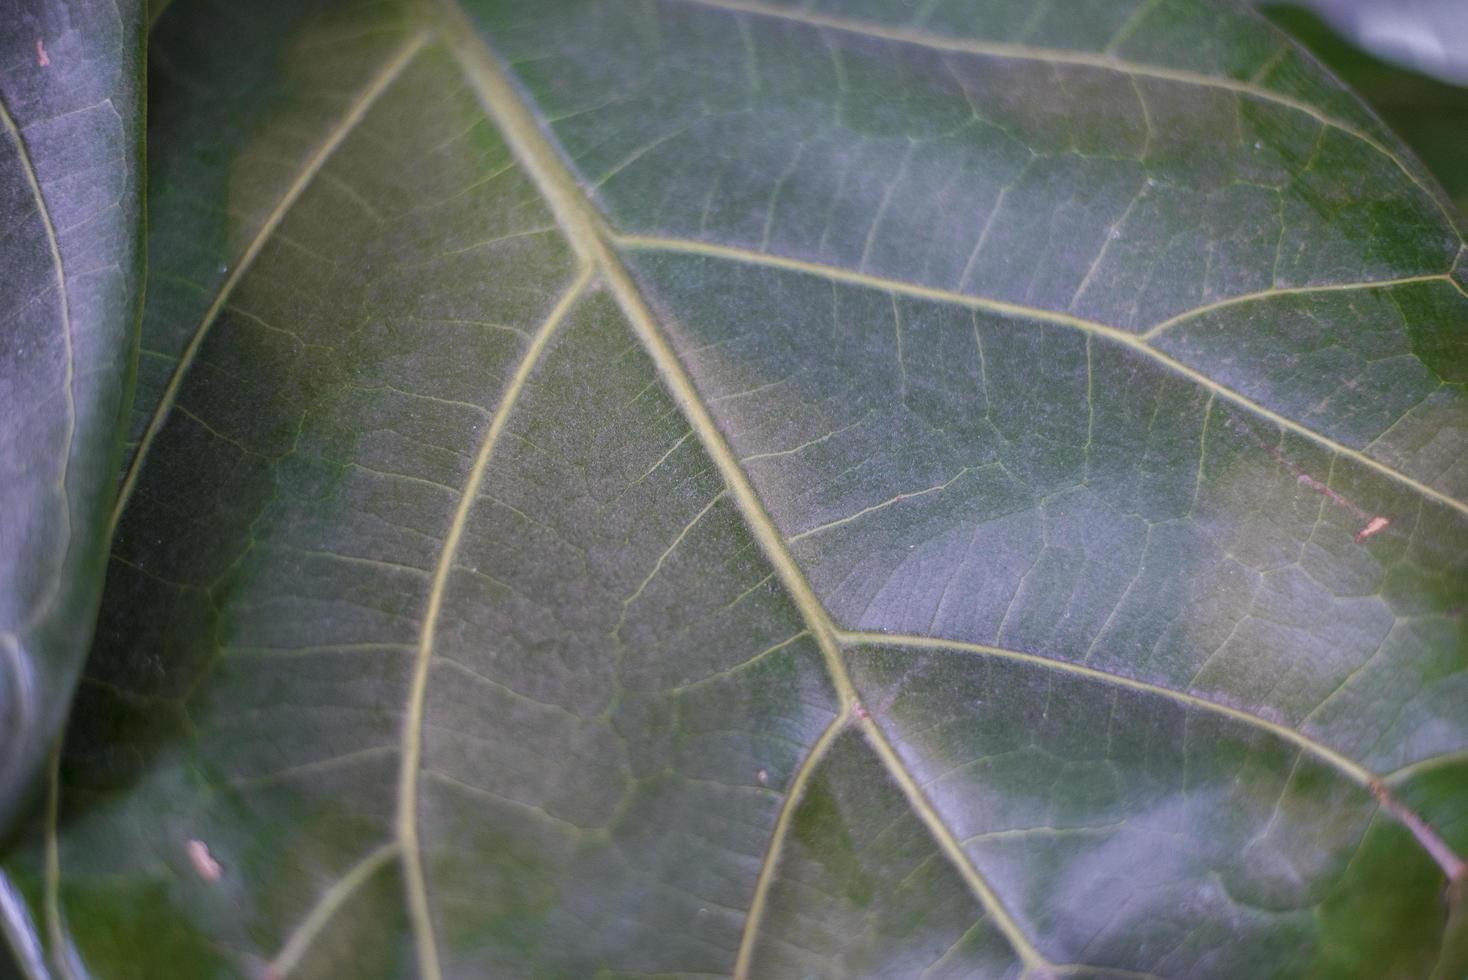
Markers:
point(71, 259)
point(691, 488)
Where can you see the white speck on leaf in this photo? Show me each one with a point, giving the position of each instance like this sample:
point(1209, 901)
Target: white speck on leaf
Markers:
point(1372, 526)
point(203, 862)
point(42, 59)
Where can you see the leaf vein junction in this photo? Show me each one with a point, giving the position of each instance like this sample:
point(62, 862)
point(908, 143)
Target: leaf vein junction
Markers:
point(1005, 308)
point(584, 227)
point(1453, 866)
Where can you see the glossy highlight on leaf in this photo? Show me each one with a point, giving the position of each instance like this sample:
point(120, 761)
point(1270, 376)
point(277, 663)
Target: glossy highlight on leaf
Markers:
point(726, 487)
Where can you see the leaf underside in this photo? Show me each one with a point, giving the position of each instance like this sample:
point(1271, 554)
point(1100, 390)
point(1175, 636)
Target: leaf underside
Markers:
point(71, 260)
point(699, 487)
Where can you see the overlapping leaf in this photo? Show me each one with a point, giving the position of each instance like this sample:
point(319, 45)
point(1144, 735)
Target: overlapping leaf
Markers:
point(70, 279)
point(707, 487)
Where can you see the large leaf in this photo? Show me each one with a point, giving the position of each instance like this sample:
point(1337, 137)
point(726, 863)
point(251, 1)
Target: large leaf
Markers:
point(957, 489)
point(70, 277)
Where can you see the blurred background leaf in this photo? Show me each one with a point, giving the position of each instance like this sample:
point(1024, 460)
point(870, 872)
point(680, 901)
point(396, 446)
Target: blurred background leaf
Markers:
point(1431, 114)
point(1430, 36)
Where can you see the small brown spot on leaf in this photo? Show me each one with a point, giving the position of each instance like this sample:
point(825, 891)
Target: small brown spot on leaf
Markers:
point(41, 57)
point(203, 862)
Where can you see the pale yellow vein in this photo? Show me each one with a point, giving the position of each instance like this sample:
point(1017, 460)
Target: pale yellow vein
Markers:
point(794, 793)
point(883, 505)
point(380, 82)
point(327, 905)
point(63, 297)
point(1086, 59)
point(407, 819)
point(1426, 836)
point(55, 931)
point(1273, 291)
point(1034, 961)
point(593, 242)
point(1006, 308)
point(1413, 769)
point(662, 559)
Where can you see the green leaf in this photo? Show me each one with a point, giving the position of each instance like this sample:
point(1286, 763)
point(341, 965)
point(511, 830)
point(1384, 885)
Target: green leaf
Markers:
point(71, 263)
point(1430, 115)
point(1425, 39)
point(965, 489)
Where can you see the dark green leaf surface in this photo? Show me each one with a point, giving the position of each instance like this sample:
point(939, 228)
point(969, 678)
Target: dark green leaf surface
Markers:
point(964, 490)
point(70, 278)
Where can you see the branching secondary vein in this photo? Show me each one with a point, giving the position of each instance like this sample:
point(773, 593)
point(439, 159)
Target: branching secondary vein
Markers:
point(1452, 865)
point(793, 794)
point(1005, 308)
point(584, 227)
point(53, 245)
point(407, 804)
point(595, 247)
point(379, 84)
point(1086, 59)
point(1198, 311)
point(327, 905)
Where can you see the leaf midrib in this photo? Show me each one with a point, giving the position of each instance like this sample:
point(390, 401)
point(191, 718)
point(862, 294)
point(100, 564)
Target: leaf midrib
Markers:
point(586, 228)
